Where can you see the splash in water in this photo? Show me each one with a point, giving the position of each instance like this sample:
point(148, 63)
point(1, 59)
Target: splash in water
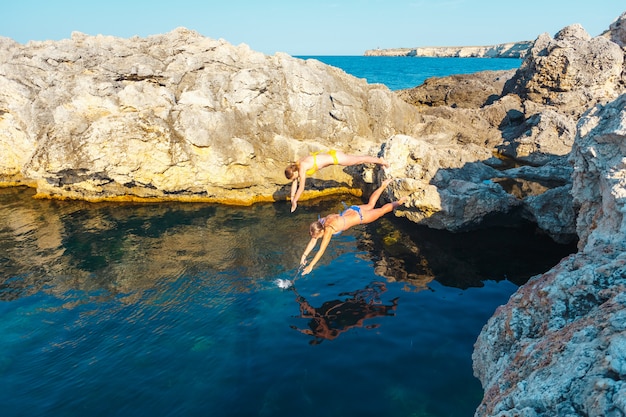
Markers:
point(283, 283)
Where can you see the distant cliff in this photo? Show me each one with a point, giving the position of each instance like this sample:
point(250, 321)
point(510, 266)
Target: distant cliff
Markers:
point(503, 50)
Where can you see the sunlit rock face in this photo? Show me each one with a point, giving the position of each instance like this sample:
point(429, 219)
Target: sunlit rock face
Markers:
point(179, 116)
point(558, 347)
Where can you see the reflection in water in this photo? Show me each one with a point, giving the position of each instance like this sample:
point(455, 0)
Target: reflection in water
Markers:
point(124, 248)
point(334, 317)
point(152, 309)
point(417, 255)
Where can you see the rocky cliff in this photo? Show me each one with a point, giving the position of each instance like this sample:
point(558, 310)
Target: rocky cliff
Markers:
point(180, 116)
point(503, 50)
point(558, 347)
point(526, 117)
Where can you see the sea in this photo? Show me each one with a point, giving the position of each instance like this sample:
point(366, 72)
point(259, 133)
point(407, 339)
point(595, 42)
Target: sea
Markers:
point(401, 72)
point(190, 309)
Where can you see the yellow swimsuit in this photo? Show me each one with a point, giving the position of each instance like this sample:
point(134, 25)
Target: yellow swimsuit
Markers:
point(312, 170)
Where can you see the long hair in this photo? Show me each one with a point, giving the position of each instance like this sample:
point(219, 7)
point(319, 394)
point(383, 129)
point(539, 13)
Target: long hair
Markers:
point(291, 169)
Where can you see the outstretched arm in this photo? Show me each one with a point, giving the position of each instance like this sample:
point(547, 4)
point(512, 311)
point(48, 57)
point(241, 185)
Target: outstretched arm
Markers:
point(308, 250)
point(294, 198)
point(328, 234)
point(294, 187)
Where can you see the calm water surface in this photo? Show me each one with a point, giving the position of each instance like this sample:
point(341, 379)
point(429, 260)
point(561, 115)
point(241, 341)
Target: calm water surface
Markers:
point(173, 310)
point(407, 72)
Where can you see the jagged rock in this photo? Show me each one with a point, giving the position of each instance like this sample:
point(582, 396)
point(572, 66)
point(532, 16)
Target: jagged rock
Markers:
point(560, 79)
point(529, 117)
point(558, 347)
point(571, 71)
point(449, 187)
point(180, 116)
point(552, 210)
point(540, 138)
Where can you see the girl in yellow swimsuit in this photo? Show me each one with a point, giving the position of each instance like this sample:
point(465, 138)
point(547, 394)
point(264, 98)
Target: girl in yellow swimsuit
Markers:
point(334, 224)
point(307, 166)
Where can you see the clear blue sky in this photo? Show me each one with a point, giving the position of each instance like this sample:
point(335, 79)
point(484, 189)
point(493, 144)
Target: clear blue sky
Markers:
point(311, 27)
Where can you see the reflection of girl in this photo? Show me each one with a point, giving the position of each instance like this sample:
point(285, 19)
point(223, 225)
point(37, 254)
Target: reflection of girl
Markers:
point(337, 316)
point(332, 224)
point(297, 172)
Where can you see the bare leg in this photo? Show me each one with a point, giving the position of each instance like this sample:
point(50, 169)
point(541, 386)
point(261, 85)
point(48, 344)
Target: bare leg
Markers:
point(376, 195)
point(375, 214)
point(349, 160)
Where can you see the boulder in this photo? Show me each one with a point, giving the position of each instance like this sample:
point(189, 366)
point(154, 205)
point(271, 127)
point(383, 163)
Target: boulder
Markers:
point(449, 187)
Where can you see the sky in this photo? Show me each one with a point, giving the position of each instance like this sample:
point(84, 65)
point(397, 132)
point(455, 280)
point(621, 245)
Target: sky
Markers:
point(311, 27)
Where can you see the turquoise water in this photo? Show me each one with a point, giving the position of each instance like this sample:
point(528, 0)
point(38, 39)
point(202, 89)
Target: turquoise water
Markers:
point(173, 310)
point(407, 72)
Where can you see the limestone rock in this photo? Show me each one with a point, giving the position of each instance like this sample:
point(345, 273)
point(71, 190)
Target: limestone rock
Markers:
point(558, 346)
point(449, 187)
point(540, 138)
point(179, 116)
point(461, 90)
point(528, 117)
point(571, 71)
point(560, 79)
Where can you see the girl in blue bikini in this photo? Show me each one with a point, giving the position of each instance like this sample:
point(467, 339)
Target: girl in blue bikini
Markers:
point(334, 224)
point(297, 172)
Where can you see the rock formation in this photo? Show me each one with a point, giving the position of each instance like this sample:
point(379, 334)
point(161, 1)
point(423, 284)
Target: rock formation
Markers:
point(530, 125)
point(179, 116)
point(503, 50)
point(558, 347)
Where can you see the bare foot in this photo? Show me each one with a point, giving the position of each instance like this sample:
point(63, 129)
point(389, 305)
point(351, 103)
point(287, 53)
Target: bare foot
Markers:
point(400, 202)
point(384, 163)
point(386, 182)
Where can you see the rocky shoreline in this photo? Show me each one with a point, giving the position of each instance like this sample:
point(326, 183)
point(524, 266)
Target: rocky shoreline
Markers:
point(183, 117)
point(503, 50)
